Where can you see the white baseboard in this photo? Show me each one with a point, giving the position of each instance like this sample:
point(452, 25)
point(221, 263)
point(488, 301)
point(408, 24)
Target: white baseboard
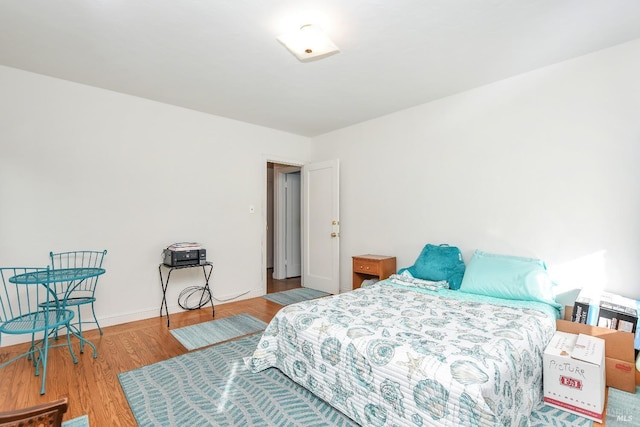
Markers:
point(119, 319)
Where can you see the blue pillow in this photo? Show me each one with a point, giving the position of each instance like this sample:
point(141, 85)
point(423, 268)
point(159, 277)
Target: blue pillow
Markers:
point(439, 262)
point(508, 277)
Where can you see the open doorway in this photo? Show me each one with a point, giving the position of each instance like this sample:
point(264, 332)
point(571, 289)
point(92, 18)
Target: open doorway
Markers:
point(283, 241)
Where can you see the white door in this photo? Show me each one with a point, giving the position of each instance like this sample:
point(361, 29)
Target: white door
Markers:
point(293, 259)
point(321, 226)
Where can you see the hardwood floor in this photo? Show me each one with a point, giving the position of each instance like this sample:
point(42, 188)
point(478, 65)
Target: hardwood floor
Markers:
point(92, 385)
point(280, 285)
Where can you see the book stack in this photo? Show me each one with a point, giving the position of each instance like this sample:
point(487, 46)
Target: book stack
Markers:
point(605, 310)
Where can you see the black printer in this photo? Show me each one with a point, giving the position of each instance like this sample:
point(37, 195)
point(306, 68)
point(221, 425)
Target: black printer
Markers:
point(180, 254)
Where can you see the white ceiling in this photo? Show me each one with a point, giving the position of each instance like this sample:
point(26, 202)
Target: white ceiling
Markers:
point(222, 57)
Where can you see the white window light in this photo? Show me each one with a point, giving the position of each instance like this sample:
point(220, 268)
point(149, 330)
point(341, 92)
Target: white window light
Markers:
point(308, 43)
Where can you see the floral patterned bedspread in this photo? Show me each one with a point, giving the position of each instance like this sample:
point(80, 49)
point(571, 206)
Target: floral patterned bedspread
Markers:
point(390, 355)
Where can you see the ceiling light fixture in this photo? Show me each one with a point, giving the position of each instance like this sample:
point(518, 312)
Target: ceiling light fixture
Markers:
point(308, 43)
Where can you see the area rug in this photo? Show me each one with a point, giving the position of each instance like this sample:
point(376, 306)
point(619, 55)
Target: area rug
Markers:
point(215, 331)
point(82, 421)
point(212, 387)
point(547, 416)
point(294, 295)
point(623, 409)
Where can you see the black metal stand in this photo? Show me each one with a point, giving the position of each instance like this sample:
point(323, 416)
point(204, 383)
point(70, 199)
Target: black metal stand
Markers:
point(205, 290)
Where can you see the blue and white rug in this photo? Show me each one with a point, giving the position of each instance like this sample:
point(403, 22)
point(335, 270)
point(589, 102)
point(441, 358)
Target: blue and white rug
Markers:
point(547, 416)
point(82, 421)
point(216, 331)
point(212, 387)
point(294, 295)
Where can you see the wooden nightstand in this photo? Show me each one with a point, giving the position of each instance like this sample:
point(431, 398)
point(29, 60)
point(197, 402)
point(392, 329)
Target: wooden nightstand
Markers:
point(372, 266)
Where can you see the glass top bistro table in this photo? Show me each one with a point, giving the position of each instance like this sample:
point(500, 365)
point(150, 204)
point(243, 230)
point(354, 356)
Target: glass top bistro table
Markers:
point(48, 278)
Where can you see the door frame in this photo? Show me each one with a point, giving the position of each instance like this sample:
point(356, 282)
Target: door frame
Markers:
point(280, 161)
point(280, 219)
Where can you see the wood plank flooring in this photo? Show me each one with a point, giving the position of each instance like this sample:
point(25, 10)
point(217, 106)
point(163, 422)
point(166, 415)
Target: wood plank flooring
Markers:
point(92, 385)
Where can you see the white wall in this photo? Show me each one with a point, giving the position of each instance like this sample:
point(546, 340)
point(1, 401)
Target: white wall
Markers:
point(544, 164)
point(85, 168)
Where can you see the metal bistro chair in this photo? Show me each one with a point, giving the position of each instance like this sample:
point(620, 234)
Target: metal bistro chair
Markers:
point(29, 310)
point(46, 415)
point(75, 294)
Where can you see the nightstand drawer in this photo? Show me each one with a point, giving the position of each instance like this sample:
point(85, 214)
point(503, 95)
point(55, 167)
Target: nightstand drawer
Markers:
point(366, 266)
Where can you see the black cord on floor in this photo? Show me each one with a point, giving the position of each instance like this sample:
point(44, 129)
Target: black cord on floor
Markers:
point(202, 297)
point(199, 294)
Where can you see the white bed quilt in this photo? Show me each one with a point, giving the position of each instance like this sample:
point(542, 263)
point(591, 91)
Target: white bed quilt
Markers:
point(391, 356)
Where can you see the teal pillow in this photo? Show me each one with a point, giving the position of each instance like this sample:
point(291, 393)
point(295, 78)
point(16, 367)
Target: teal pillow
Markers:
point(508, 277)
point(437, 263)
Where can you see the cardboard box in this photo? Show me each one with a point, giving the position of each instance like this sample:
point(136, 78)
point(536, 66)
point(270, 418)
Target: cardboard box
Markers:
point(574, 374)
point(619, 352)
point(606, 310)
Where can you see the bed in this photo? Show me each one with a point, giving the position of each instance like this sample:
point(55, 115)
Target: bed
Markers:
point(396, 354)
